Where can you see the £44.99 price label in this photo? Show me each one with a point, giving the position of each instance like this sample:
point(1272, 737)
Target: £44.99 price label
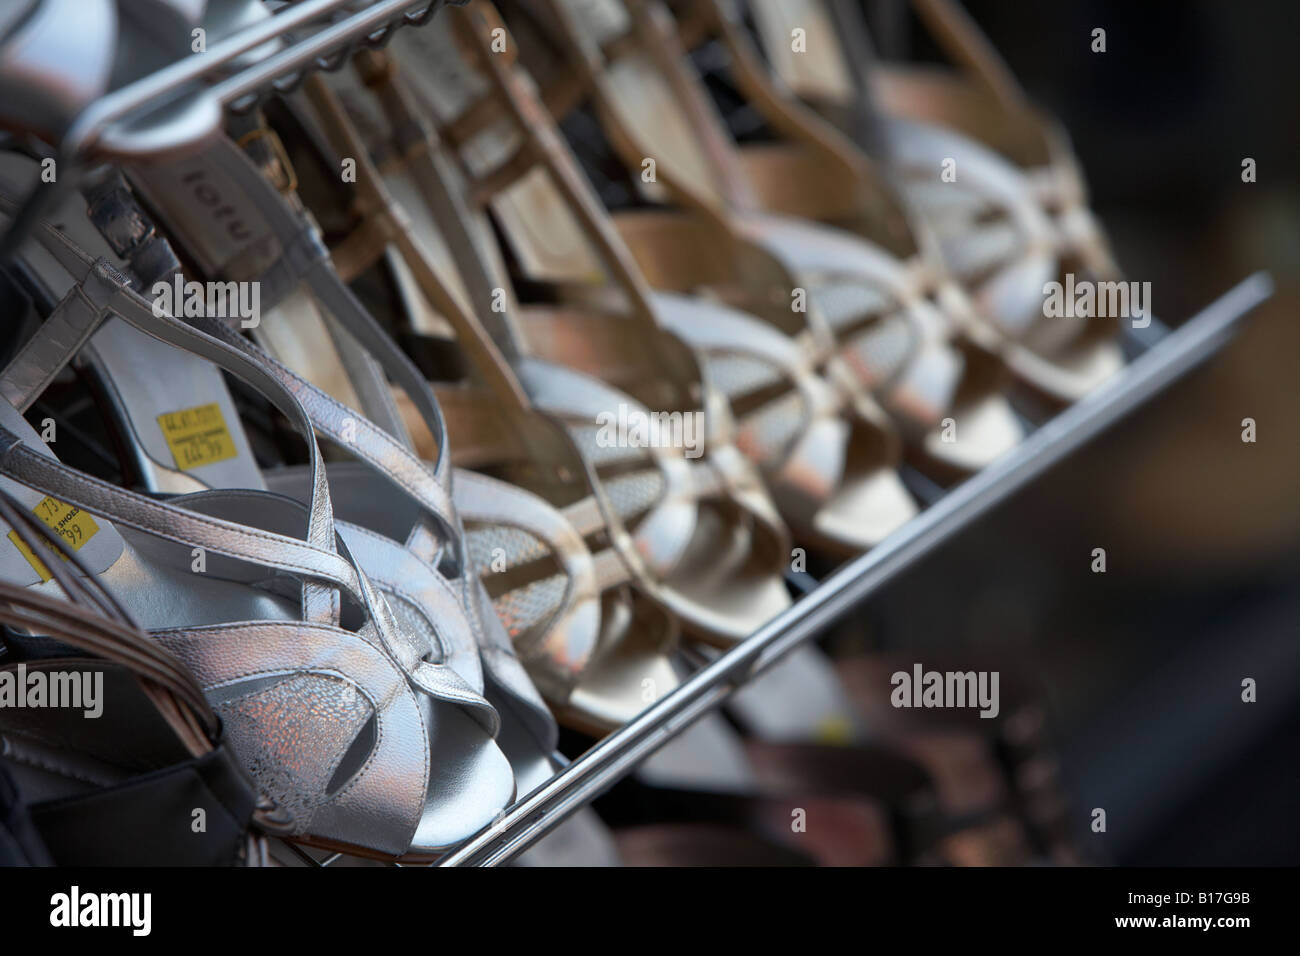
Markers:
point(197, 436)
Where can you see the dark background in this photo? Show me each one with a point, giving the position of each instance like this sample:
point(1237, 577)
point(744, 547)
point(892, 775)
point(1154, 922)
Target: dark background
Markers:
point(1141, 667)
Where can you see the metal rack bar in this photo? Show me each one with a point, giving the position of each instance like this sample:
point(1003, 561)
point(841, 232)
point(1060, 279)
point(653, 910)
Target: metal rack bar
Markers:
point(156, 88)
point(210, 77)
point(538, 813)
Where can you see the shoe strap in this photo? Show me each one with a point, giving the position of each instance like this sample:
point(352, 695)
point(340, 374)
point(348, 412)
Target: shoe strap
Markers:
point(67, 328)
point(657, 546)
point(541, 145)
point(557, 653)
point(323, 572)
point(304, 260)
point(387, 455)
point(373, 446)
point(88, 617)
point(314, 682)
point(101, 292)
point(960, 37)
point(489, 336)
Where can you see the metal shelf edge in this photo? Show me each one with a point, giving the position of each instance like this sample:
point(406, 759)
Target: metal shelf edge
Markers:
point(532, 816)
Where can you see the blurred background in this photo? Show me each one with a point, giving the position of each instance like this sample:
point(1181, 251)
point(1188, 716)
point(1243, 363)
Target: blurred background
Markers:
point(1131, 680)
point(1121, 691)
point(1140, 668)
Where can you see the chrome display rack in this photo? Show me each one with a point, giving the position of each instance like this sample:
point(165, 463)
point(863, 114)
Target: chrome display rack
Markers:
point(309, 35)
point(321, 35)
point(1165, 358)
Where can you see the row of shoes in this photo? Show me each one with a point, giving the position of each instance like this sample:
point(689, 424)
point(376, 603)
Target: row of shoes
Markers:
point(362, 493)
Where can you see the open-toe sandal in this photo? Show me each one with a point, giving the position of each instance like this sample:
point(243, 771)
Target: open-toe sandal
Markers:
point(827, 459)
point(882, 322)
point(1015, 216)
point(307, 678)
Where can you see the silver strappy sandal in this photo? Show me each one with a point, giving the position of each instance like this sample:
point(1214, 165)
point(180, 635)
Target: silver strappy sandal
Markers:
point(387, 534)
point(372, 780)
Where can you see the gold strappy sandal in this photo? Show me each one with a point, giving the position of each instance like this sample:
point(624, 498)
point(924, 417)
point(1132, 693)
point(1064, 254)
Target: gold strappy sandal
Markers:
point(702, 538)
point(863, 313)
point(1011, 216)
point(827, 457)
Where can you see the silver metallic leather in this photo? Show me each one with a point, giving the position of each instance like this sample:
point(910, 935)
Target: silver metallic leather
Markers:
point(305, 263)
point(384, 827)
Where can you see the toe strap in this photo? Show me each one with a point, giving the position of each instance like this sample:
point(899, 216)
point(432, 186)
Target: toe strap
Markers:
point(555, 636)
point(296, 700)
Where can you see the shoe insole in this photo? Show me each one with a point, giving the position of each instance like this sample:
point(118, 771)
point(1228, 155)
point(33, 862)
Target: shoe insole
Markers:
point(649, 110)
point(180, 422)
point(153, 578)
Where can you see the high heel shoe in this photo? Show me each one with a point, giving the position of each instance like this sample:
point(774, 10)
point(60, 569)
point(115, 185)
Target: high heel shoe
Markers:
point(388, 536)
point(327, 723)
point(1016, 216)
point(878, 321)
point(827, 457)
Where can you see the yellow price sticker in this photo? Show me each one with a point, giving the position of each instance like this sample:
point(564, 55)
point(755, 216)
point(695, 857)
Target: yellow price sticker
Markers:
point(69, 522)
point(197, 436)
point(836, 729)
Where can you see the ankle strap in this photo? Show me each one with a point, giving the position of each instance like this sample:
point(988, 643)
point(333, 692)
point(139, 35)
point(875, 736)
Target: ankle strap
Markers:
point(99, 292)
point(59, 338)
